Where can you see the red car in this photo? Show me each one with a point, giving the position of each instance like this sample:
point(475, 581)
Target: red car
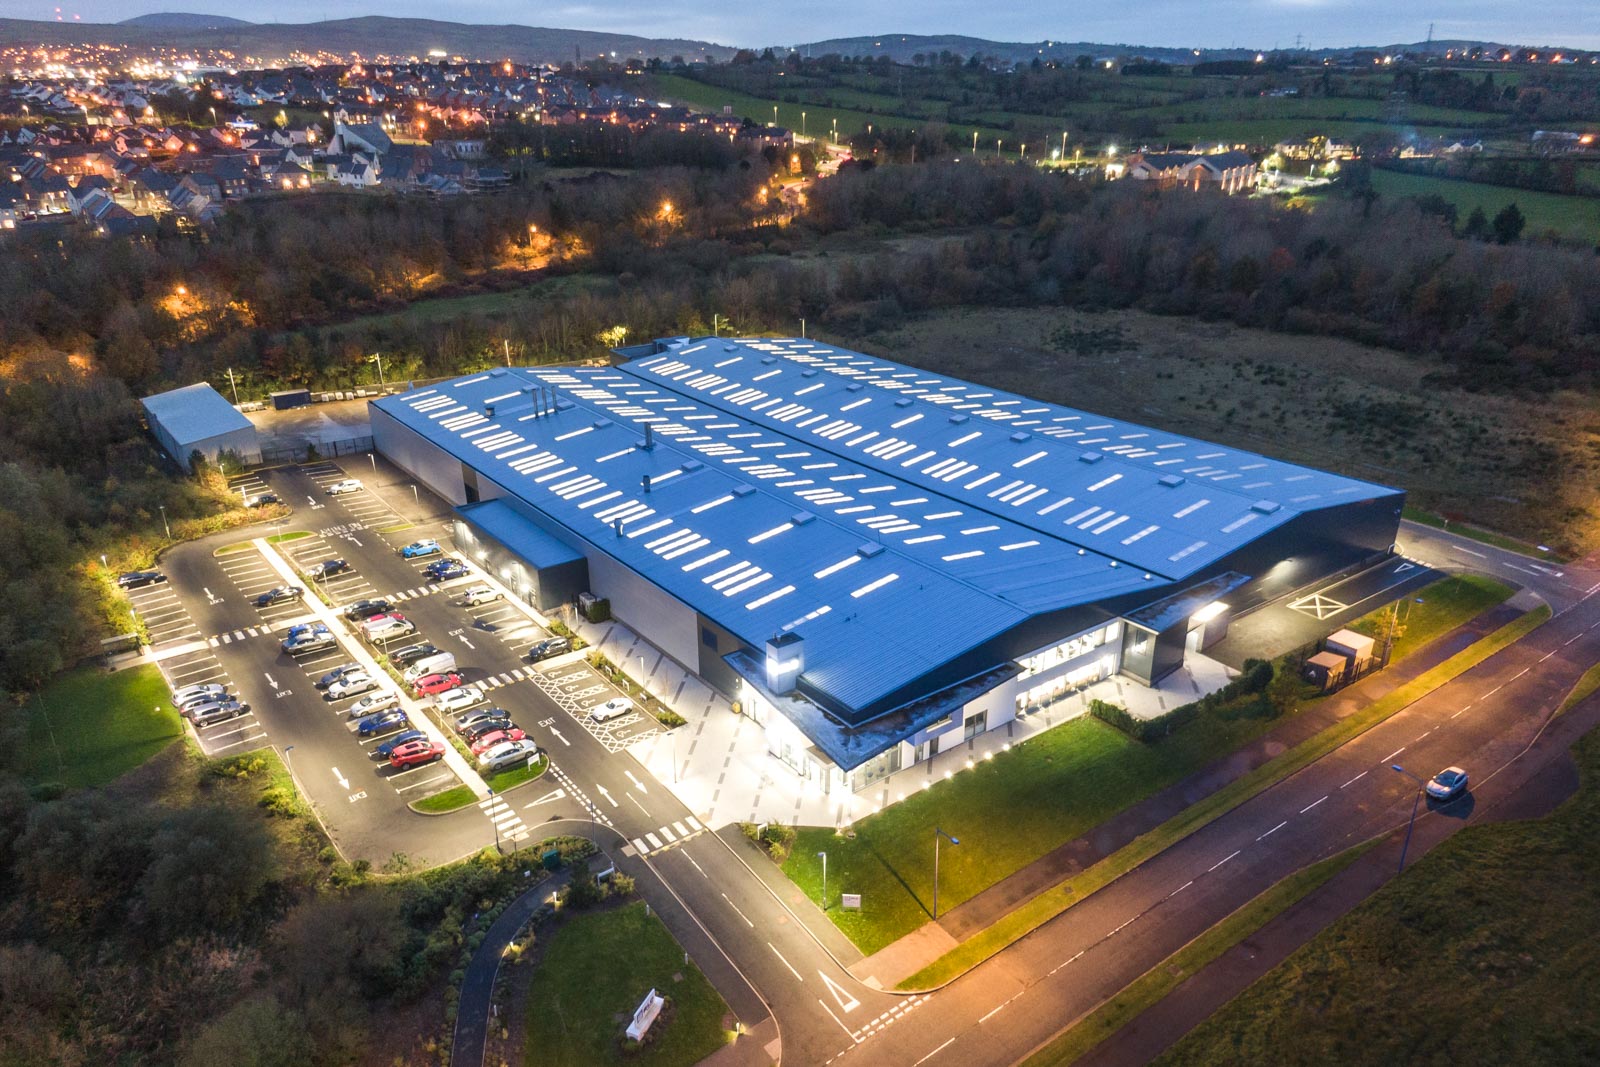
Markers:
point(489, 740)
point(415, 753)
point(430, 684)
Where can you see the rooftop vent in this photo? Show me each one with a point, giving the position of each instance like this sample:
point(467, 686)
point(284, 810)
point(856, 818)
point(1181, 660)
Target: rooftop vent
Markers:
point(1020, 437)
point(809, 373)
point(958, 419)
point(601, 424)
point(870, 549)
point(1265, 507)
point(800, 518)
point(769, 360)
point(1091, 457)
point(904, 402)
point(855, 387)
point(691, 465)
point(1172, 481)
point(497, 372)
point(730, 347)
point(743, 490)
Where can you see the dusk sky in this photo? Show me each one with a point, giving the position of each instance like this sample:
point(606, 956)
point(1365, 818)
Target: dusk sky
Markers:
point(1191, 23)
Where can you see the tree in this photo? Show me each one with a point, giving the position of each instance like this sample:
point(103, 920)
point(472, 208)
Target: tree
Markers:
point(256, 1033)
point(1508, 224)
point(1477, 225)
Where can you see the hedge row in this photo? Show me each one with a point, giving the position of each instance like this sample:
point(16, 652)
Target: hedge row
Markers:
point(1251, 682)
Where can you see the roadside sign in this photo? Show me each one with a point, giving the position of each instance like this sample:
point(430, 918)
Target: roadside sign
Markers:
point(850, 901)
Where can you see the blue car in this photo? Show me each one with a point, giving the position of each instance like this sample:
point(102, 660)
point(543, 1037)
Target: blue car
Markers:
point(428, 547)
point(445, 569)
point(306, 628)
point(386, 749)
point(381, 723)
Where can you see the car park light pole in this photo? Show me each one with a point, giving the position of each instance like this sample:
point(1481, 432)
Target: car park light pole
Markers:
point(164, 524)
point(1421, 785)
point(937, 834)
point(495, 823)
point(824, 857)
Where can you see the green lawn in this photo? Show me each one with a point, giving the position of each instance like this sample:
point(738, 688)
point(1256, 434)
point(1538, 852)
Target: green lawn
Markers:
point(87, 727)
point(1576, 217)
point(595, 971)
point(1482, 952)
point(1436, 610)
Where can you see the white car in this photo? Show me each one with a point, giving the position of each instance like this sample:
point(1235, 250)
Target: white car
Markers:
point(188, 693)
point(387, 628)
point(454, 700)
point(373, 703)
point(348, 485)
point(611, 709)
point(353, 684)
point(507, 754)
point(479, 594)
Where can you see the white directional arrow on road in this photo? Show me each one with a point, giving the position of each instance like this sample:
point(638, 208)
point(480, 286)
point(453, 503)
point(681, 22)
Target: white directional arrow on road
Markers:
point(605, 793)
point(636, 781)
point(554, 794)
point(270, 680)
point(344, 783)
point(563, 740)
point(464, 641)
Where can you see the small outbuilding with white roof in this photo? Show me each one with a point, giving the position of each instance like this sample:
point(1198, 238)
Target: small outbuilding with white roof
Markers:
point(197, 418)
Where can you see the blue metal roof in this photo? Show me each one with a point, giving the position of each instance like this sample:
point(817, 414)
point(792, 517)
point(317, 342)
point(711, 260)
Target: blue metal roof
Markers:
point(896, 520)
point(194, 413)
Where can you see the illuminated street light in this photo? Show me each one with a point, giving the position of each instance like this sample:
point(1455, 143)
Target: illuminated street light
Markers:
point(937, 834)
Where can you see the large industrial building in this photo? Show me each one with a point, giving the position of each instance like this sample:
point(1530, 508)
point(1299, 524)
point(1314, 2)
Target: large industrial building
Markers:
point(873, 562)
point(198, 419)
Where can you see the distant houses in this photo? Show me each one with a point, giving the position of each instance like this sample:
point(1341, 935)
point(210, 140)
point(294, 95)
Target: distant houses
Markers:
point(1228, 172)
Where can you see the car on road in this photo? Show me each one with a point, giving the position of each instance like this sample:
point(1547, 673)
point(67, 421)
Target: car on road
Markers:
point(550, 646)
point(262, 500)
point(328, 568)
point(479, 594)
point(346, 485)
point(217, 711)
point(310, 641)
point(366, 609)
point(387, 626)
point(471, 719)
point(337, 673)
point(496, 737)
point(283, 594)
point(434, 684)
point(382, 723)
point(416, 753)
point(507, 754)
point(404, 657)
point(614, 708)
point(385, 750)
point(426, 547)
point(373, 703)
point(454, 700)
point(135, 579)
point(351, 685)
point(186, 693)
point(486, 727)
point(1447, 784)
point(442, 570)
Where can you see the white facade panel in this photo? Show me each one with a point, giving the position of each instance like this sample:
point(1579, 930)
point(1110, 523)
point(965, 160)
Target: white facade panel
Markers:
point(427, 463)
point(656, 615)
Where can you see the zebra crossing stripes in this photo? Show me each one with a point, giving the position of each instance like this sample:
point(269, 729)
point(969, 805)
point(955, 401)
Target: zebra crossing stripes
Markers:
point(413, 593)
point(670, 836)
point(583, 798)
point(508, 824)
point(237, 635)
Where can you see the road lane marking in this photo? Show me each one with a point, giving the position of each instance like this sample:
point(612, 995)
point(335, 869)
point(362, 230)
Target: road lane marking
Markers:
point(563, 740)
point(846, 1001)
point(703, 874)
point(934, 1053)
point(735, 908)
point(997, 1008)
point(607, 794)
point(1313, 804)
point(1363, 774)
point(1274, 830)
point(636, 782)
point(638, 805)
point(1185, 885)
point(1393, 754)
point(848, 1032)
point(1213, 867)
point(1062, 964)
point(1470, 552)
point(785, 962)
point(344, 783)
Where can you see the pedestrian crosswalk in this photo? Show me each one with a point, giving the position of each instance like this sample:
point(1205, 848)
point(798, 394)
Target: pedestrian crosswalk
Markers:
point(413, 593)
point(589, 806)
point(669, 836)
point(508, 824)
point(507, 677)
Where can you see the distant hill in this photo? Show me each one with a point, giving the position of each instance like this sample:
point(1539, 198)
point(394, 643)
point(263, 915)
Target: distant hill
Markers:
point(902, 47)
point(365, 36)
point(179, 20)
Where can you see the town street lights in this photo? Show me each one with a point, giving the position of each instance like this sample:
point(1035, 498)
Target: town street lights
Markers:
point(974, 142)
point(824, 858)
point(802, 124)
point(938, 833)
point(164, 523)
point(414, 498)
point(374, 460)
point(1421, 785)
point(1063, 144)
point(496, 824)
point(774, 114)
point(379, 357)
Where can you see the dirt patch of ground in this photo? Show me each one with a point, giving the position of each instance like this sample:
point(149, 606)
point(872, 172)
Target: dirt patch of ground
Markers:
point(1524, 465)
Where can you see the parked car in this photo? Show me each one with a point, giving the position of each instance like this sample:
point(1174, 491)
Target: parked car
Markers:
point(438, 663)
point(262, 500)
point(382, 723)
point(353, 684)
point(550, 646)
point(201, 689)
point(337, 673)
point(387, 627)
point(479, 594)
point(365, 609)
point(507, 754)
point(1447, 784)
point(311, 641)
point(442, 570)
point(347, 485)
point(416, 753)
point(486, 727)
point(372, 703)
point(454, 700)
point(328, 568)
point(614, 708)
point(470, 719)
point(426, 547)
point(194, 700)
point(217, 711)
point(135, 579)
point(495, 737)
point(404, 657)
point(283, 594)
point(306, 628)
point(434, 684)
point(385, 750)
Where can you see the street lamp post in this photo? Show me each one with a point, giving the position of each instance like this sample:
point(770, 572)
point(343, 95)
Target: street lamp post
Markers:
point(415, 499)
point(379, 357)
point(374, 460)
point(164, 524)
point(1421, 785)
point(937, 834)
point(824, 857)
point(802, 124)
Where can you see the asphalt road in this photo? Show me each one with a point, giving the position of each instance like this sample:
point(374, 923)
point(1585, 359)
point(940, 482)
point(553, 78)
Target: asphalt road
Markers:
point(750, 936)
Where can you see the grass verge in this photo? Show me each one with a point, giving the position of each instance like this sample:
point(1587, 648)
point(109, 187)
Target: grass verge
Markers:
point(1584, 687)
point(457, 797)
point(87, 726)
point(1047, 905)
point(396, 528)
point(1434, 611)
point(1150, 987)
point(595, 971)
point(273, 539)
point(1483, 951)
point(1474, 533)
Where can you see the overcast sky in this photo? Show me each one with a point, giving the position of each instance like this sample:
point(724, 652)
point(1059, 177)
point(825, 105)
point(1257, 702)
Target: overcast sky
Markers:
point(1180, 23)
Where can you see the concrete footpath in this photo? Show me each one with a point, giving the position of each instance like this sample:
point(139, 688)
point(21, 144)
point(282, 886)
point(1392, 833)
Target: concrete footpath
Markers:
point(1532, 786)
point(910, 954)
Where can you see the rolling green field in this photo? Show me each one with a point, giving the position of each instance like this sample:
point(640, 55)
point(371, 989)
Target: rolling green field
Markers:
point(1576, 217)
point(88, 727)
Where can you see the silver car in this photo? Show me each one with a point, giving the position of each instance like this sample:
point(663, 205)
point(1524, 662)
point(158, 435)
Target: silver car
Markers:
point(217, 711)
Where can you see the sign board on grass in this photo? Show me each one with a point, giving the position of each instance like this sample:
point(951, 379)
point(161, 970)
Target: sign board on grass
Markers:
point(850, 901)
point(646, 1014)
